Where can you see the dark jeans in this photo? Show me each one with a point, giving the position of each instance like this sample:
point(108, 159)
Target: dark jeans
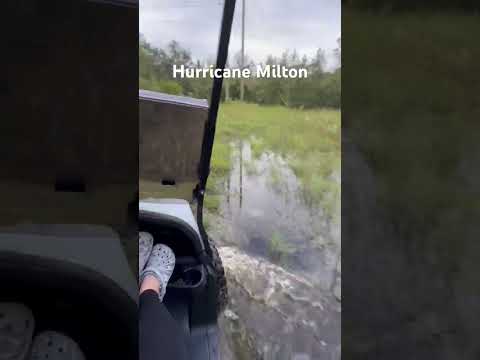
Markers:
point(160, 337)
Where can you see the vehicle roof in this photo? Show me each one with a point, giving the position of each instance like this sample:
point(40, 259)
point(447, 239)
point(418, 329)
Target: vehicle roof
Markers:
point(177, 208)
point(117, 2)
point(172, 99)
point(171, 130)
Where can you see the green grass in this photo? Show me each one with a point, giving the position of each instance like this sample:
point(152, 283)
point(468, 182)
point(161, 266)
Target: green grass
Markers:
point(278, 248)
point(275, 177)
point(308, 139)
point(424, 76)
point(410, 112)
point(212, 202)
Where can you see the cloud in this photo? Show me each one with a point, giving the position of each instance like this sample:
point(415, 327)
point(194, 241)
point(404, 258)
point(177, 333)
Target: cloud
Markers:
point(271, 26)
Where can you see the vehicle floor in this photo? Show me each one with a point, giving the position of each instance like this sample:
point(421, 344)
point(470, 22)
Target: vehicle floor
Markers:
point(202, 340)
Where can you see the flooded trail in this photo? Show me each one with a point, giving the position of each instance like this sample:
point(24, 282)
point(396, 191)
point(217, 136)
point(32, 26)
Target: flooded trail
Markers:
point(268, 214)
point(281, 254)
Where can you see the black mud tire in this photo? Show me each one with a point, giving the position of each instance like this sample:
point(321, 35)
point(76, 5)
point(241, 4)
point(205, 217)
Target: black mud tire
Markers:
point(220, 278)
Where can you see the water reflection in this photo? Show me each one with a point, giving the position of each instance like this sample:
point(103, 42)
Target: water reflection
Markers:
point(270, 215)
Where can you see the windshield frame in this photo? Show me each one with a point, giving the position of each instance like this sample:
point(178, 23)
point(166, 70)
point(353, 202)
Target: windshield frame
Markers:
point(210, 126)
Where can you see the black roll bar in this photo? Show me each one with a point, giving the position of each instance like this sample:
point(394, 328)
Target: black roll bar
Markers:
point(209, 134)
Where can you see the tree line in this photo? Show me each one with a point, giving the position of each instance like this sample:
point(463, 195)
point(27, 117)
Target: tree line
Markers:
point(412, 5)
point(320, 89)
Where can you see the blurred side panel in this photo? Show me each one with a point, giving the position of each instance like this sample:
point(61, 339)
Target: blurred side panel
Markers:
point(410, 174)
point(69, 169)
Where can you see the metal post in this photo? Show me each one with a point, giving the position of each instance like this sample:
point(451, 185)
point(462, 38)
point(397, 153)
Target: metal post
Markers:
point(242, 85)
point(209, 132)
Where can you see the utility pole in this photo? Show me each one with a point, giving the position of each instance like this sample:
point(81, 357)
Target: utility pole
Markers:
point(242, 89)
point(226, 83)
point(227, 89)
point(241, 173)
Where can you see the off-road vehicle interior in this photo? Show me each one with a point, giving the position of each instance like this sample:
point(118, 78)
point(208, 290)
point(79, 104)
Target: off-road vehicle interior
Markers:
point(176, 140)
point(68, 179)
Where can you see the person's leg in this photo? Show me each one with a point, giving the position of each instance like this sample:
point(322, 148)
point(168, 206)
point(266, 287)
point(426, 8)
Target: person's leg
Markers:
point(160, 337)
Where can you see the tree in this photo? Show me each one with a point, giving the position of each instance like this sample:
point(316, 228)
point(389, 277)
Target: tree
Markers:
point(320, 89)
point(338, 52)
point(318, 63)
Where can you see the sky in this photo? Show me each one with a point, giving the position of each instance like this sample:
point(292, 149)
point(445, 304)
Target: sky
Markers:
point(271, 26)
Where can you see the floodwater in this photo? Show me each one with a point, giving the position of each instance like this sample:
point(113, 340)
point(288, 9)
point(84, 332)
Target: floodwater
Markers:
point(270, 215)
point(267, 213)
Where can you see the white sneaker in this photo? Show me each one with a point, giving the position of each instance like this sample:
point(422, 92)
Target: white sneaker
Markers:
point(160, 265)
point(16, 331)
point(52, 345)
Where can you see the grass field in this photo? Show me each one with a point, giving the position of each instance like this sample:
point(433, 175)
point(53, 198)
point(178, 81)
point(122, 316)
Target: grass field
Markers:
point(308, 139)
point(424, 76)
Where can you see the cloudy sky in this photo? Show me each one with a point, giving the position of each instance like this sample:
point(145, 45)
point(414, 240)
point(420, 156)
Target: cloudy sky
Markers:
point(272, 26)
